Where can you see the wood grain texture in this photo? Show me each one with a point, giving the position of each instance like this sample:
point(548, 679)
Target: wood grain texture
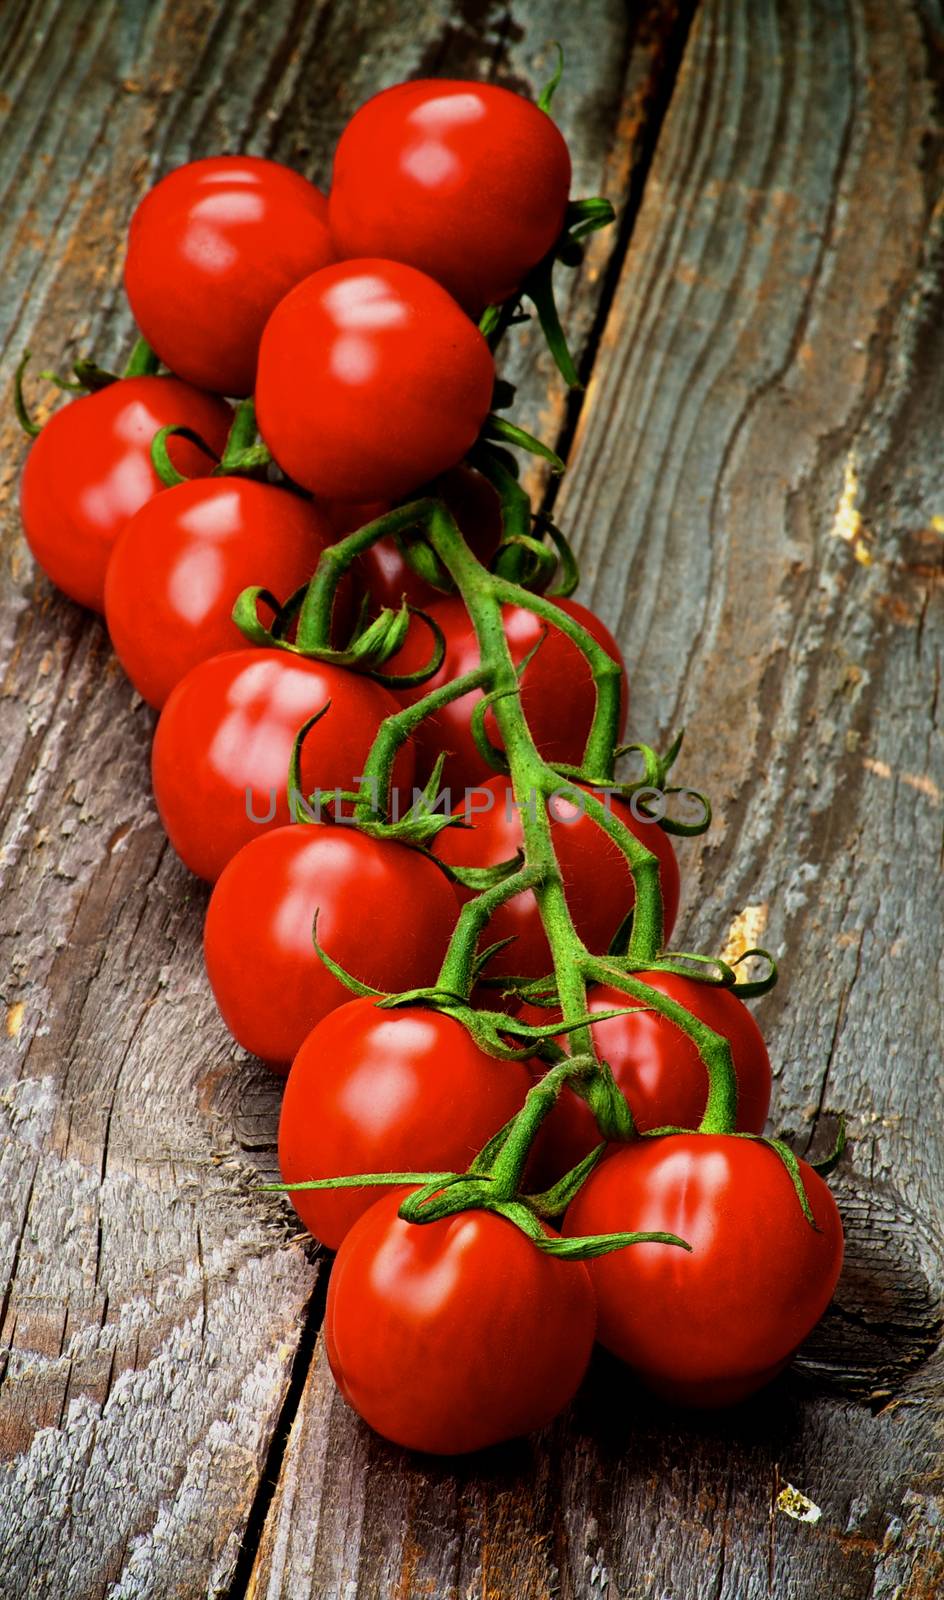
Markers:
point(152, 1302)
point(753, 491)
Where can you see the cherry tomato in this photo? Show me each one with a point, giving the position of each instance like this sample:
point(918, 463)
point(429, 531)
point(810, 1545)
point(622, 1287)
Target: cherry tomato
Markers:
point(90, 470)
point(224, 740)
point(182, 561)
point(452, 1335)
point(657, 1067)
point(710, 1327)
point(385, 912)
point(476, 508)
point(212, 250)
point(371, 381)
point(464, 180)
point(557, 690)
point(387, 1091)
point(597, 880)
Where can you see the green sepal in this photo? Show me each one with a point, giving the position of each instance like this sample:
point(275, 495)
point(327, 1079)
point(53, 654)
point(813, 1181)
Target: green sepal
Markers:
point(830, 1163)
point(245, 614)
point(592, 1245)
point(547, 93)
point(362, 990)
point(488, 954)
point(539, 288)
point(479, 878)
point(360, 1180)
point(489, 752)
point(423, 560)
point(160, 458)
point(681, 962)
point(495, 427)
point(553, 1202)
point(143, 362)
point(489, 320)
point(410, 680)
point(569, 570)
point(538, 571)
point(587, 216)
point(294, 783)
point(791, 1161)
point(91, 377)
point(753, 987)
point(687, 830)
point(30, 428)
point(67, 385)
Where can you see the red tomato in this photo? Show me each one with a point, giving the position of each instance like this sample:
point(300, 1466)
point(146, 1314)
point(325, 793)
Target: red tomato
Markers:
point(657, 1067)
point(597, 880)
point(212, 250)
point(224, 740)
point(90, 470)
point(385, 912)
point(183, 560)
point(557, 690)
point(710, 1327)
point(464, 180)
point(387, 1091)
point(477, 510)
point(371, 381)
point(449, 1336)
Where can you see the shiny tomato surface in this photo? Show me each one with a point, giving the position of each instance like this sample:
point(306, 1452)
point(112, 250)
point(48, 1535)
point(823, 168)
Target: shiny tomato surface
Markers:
point(387, 1091)
point(212, 250)
point(181, 563)
point(90, 470)
point(385, 913)
point(371, 381)
point(224, 741)
point(467, 181)
point(710, 1326)
point(449, 1336)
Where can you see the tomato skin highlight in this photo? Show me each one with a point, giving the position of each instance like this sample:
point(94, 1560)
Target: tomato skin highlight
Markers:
point(597, 879)
point(656, 1067)
point(371, 381)
point(466, 181)
point(453, 1335)
point(406, 1090)
point(709, 1327)
point(181, 563)
point(229, 726)
point(385, 913)
point(212, 250)
point(89, 471)
point(557, 690)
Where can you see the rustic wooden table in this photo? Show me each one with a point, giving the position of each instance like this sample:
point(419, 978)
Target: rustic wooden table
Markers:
point(755, 492)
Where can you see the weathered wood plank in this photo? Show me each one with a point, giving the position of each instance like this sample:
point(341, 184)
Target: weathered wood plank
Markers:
point(151, 1300)
point(753, 491)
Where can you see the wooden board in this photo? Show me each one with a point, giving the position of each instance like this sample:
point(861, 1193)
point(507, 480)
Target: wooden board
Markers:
point(753, 487)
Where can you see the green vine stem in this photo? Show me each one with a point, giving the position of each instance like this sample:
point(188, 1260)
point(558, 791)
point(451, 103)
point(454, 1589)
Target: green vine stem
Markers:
point(495, 1178)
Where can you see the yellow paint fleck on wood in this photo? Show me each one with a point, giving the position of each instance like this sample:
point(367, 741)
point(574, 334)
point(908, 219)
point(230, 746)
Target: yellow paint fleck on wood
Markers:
point(15, 1015)
point(793, 1503)
point(847, 521)
point(746, 931)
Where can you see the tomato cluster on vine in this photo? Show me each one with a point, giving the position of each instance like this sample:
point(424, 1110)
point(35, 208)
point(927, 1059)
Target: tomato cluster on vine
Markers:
point(388, 737)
